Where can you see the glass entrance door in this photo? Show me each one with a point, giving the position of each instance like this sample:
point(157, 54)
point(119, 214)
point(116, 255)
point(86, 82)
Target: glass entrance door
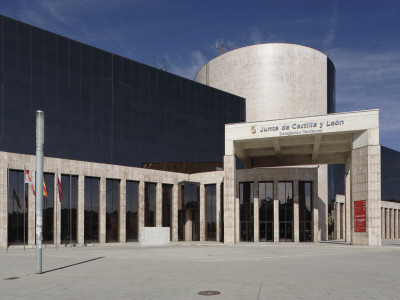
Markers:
point(285, 190)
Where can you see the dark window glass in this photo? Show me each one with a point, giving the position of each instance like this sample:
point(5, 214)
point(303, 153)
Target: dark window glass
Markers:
point(132, 188)
point(112, 210)
point(149, 204)
point(285, 190)
point(266, 210)
point(246, 198)
point(17, 208)
point(105, 104)
point(92, 186)
point(189, 212)
point(166, 204)
point(222, 214)
point(69, 185)
point(305, 211)
point(48, 209)
point(211, 215)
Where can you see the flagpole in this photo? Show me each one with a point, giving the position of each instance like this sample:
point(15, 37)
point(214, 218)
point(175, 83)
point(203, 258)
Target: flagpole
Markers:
point(24, 207)
point(56, 237)
point(8, 195)
point(70, 210)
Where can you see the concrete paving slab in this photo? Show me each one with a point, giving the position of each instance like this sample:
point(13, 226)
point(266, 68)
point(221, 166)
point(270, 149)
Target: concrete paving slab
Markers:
point(241, 271)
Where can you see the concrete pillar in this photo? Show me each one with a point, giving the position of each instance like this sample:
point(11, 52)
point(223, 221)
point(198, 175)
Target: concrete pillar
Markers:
point(348, 217)
point(396, 224)
point(203, 216)
point(366, 185)
point(315, 219)
point(80, 226)
point(31, 211)
point(387, 225)
point(342, 221)
point(158, 203)
point(188, 225)
point(102, 210)
point(229, 198)
point(141, 204)
point(237, 212)
point(296, 211)
point(3, 200)
point(174, 213)
point(392, 223)
point(276, 212)
point(383, 223)
point(322, 204)
point(256, 214)
point(122, 211)
point(218, 211)
point(336, 219)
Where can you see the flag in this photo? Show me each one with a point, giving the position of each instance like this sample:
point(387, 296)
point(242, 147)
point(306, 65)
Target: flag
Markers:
point(16, 198)
point(29, 181)
point(59, 188)
point(44, 189)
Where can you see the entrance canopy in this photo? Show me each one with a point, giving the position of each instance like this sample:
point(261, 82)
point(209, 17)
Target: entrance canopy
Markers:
point(325, 139)
point(351, 138)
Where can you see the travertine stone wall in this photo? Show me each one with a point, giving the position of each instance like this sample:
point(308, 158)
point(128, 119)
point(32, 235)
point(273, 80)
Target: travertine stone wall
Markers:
point(272, 78)
point(229, 199)
point(366, 181)
point(390, 220)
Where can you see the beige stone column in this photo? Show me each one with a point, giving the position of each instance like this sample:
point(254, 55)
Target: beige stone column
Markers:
point(203, 216)
point(383, 222)
point(392, 223)
point(3, 200)
point(322, 204)
point(80, 226)
point(218, 211)
point(188, 225)
point(336, 234)
point(276, 212)
point(366, 185)
point(174, 213)
point(348, 200)
point(102, 210)
point(387, 225)
point(315, 219)
point(295, 211)
point(158, 205)
point(141, 205)
point(256, 214)
point(122, 211)
point(396, 224)
point(32, 211)
point(237, 212)
point(229, 198)
point(342, 221)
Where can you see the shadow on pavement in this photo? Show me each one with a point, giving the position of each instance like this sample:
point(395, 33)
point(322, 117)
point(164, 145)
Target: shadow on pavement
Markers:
point(64, 267)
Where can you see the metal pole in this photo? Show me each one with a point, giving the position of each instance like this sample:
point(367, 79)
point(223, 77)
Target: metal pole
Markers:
point(8, 194)
point(39, 188)
point(56, 190)
point(70, 211)
point(24, 206)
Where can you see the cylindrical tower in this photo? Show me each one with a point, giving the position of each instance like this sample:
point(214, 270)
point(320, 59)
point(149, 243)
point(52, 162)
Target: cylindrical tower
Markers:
point(278, 80)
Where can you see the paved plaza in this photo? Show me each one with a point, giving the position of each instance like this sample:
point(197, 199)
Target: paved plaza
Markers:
point(181, 271)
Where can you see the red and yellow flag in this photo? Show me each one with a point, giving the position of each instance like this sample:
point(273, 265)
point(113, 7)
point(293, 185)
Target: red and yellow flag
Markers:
point(44, 189)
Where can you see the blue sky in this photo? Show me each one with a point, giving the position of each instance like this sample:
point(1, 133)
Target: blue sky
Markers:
point(361, 37)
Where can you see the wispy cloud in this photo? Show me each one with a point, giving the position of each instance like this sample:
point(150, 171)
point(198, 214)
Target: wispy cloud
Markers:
point(366, 80)
point(186, 68)
point(331, 34)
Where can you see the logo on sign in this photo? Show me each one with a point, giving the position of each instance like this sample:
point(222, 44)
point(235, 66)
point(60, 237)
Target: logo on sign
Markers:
point(253, 129)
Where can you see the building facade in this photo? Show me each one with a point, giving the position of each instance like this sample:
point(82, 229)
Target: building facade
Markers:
point(105, 116)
